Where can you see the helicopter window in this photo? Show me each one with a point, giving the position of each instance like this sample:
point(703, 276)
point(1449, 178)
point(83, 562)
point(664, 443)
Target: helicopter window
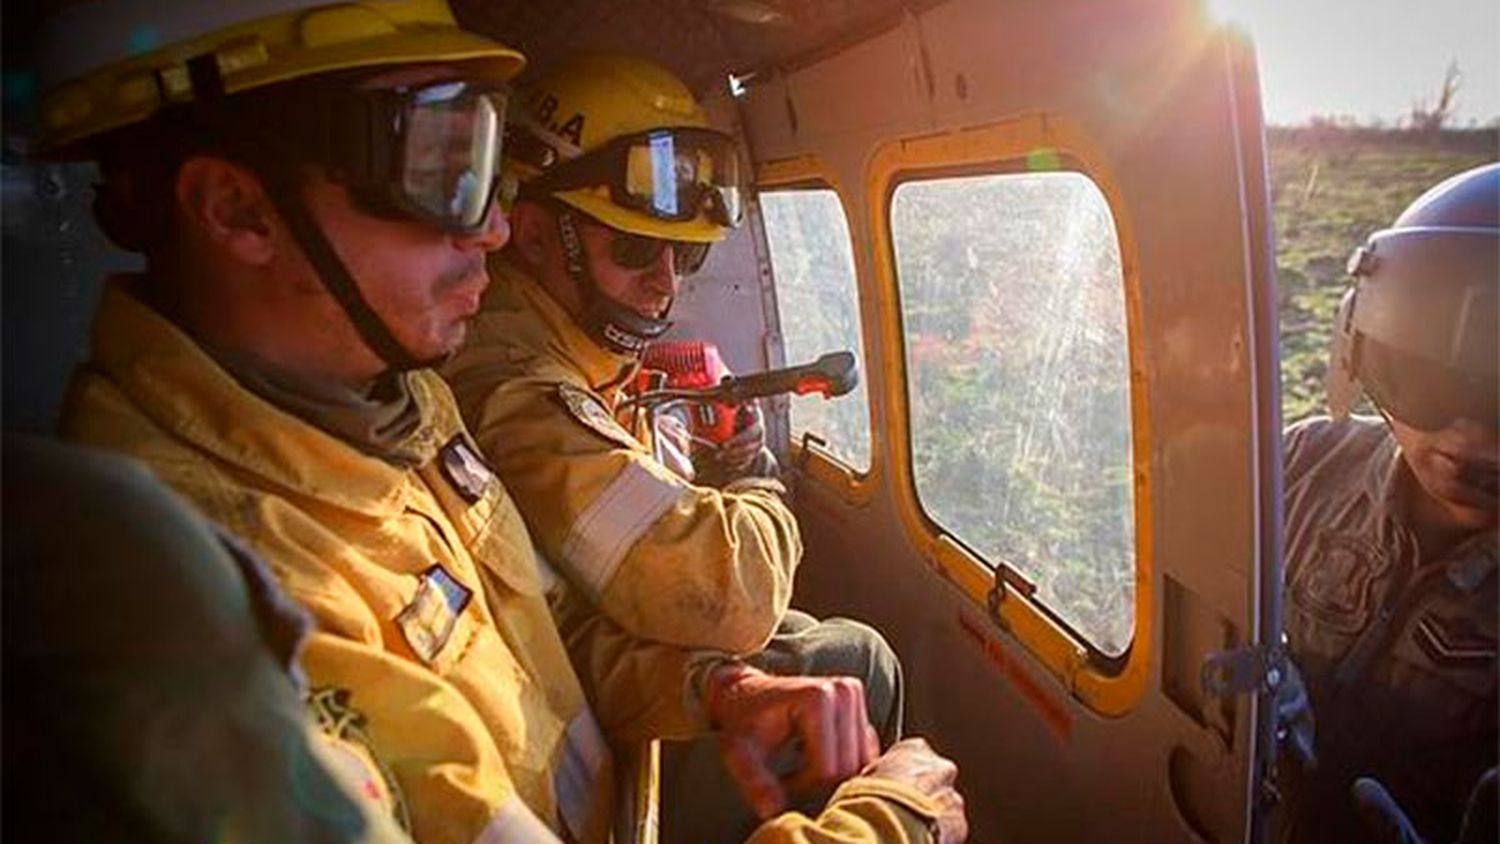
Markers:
point(819, 308)
point(1014, 319)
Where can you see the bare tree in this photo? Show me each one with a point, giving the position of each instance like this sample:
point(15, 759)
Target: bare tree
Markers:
point(1431, 119)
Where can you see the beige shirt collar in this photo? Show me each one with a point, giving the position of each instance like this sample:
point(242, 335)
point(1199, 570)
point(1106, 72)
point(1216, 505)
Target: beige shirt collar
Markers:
point(526, 315)
point(181, 388)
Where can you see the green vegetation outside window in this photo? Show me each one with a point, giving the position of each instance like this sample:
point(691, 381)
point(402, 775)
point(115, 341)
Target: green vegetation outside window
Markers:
point(818, 297)
point(1013, 307)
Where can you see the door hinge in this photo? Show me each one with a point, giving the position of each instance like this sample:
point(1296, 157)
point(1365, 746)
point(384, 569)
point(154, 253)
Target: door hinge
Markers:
point(1243, 671)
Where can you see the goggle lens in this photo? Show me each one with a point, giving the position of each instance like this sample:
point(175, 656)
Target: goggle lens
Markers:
point(451, 153)
point(1426, 395)
point(678, 174)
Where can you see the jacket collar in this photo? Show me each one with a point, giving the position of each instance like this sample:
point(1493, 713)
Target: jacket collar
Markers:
point(174, 382)
point(525, 315)
point(1383, 484)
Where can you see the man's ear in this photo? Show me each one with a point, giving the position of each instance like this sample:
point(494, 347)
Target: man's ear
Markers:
point(228, 205)
point(531, 230)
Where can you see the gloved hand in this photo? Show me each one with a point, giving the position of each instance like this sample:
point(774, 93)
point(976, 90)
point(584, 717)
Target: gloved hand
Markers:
point(1384, 820)
point(1296, 731)
point(743, 455)
point(913, 762)
point(759, 714)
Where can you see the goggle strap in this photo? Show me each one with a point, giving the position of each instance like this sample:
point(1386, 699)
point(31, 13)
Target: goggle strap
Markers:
point(573, 175)
point(339, 283)
point(375, 150)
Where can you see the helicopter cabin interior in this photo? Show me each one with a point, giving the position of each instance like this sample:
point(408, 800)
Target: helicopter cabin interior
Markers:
point(1042, 228)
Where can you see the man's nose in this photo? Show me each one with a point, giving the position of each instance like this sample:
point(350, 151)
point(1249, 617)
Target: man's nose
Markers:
point(662, 274)
point(491, 236)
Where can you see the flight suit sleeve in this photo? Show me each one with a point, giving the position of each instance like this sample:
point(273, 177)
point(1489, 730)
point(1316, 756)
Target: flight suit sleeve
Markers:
point(864, 810)
point(665, 559)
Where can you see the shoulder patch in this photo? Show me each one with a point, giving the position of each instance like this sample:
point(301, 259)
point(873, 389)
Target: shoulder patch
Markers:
point(590, 412)
point(470, 476)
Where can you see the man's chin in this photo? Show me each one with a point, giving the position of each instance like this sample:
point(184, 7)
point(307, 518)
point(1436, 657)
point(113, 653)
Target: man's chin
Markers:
point(1476, 496)
point(440, 347)
point(454, 339)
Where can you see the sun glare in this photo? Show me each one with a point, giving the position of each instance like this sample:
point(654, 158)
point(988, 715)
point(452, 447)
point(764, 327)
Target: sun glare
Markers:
point(1371, 61)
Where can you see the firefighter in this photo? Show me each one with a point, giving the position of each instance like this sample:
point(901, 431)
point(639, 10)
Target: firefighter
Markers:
point(1391, 553)
point(313, 187)
point(623, 190)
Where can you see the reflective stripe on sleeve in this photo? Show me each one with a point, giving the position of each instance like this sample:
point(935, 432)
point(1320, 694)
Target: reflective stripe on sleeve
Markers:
point(583, 776)
point(514, 823)
point(605, 532)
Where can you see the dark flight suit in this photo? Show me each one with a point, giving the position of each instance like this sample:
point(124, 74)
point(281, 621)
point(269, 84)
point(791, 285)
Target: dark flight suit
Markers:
point(1397, 650)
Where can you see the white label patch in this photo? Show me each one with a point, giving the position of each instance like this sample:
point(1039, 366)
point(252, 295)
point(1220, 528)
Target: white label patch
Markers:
point(428, 621)
point(465, 470)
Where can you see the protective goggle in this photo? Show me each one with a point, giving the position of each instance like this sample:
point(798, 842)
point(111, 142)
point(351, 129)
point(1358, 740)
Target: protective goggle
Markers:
point(671, 174)
point(1423, 394)
point(637, 252)
point(430, 152)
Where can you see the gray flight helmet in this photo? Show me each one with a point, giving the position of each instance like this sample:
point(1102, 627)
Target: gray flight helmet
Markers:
point(1427, 287)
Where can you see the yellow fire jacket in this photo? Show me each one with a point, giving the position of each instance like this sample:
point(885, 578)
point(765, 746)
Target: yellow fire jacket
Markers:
point(436, 653)
point(665, 559)
point(436, 662)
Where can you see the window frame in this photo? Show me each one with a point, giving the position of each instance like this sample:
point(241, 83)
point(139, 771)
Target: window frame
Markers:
point(808, 172)
point(1028, 143)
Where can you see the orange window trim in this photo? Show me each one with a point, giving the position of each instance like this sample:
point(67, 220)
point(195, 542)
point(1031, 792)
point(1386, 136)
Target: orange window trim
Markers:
point(854, 487)
point(1037, 141)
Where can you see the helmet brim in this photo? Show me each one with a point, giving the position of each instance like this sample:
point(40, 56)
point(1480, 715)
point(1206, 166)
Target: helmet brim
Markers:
point(595, 202)
point(478, 56)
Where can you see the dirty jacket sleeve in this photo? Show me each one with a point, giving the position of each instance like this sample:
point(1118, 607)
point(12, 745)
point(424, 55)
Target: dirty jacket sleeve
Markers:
point(864, 810)
point(640, 690)
point(665, 559)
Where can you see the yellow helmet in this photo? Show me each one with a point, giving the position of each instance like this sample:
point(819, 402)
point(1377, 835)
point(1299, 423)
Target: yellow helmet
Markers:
point(429, 152)
point(623, 140)
point(109, 65)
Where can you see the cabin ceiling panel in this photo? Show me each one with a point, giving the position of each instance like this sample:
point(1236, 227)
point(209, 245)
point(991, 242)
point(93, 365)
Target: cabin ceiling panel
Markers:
point(701, 40)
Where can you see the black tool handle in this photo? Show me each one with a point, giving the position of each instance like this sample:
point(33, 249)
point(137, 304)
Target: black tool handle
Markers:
point(832, 374)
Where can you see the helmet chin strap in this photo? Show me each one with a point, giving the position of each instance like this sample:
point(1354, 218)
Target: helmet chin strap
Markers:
point(285, 191)
point(615, 325)
point(340, 284)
